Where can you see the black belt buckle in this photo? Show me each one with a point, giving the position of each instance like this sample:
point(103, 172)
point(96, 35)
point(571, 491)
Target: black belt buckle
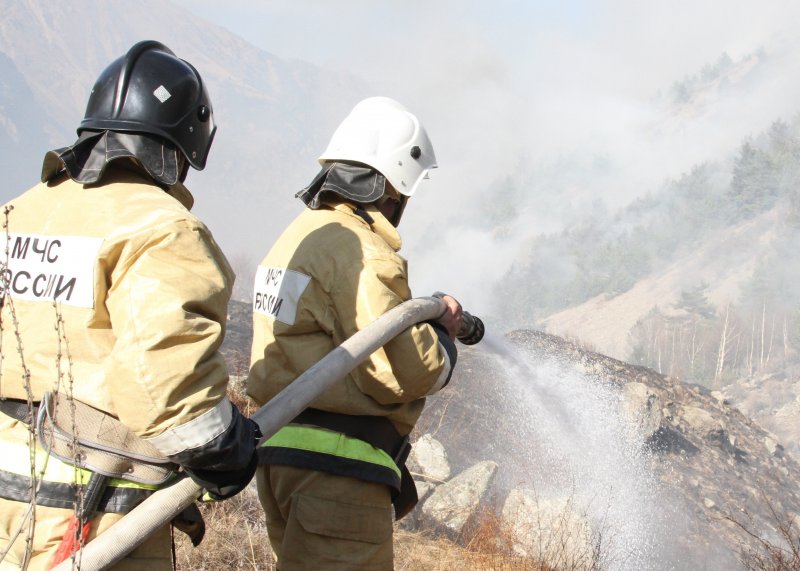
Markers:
point(403, 451)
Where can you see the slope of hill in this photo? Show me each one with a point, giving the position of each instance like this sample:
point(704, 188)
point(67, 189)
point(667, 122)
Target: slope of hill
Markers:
point(725, 260)
point(717, 467)
point(22, 128)
point(697, 280)
point(699, 94)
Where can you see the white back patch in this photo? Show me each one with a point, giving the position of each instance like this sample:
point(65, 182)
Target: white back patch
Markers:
point(277, 293)
point(50, 268)
point(162, 94)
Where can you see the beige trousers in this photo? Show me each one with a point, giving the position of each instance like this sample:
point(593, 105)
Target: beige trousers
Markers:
point(316, 520)
point(153, 555)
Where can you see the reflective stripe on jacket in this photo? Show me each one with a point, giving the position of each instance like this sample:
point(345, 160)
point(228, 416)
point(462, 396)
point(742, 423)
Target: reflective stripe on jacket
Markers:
point(58, 484)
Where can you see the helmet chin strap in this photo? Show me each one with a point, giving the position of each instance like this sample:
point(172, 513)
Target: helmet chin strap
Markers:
point(183, 168)
point(392, 207)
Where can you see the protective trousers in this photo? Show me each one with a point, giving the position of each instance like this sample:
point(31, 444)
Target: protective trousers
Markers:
point(317, 520)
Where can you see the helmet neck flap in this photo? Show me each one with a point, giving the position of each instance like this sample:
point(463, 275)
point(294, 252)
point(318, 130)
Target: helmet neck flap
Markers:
point(86, 160)
point(352, 182)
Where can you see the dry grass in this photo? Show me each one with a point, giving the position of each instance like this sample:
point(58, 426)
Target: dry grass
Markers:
point(415, 551)
point(238, 395)
point(236, 539)
point(781, 552)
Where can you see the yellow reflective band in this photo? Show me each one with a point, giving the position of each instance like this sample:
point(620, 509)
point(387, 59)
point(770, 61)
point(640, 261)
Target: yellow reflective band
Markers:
point(325, 441)
point(16, 460)
point(120, 483)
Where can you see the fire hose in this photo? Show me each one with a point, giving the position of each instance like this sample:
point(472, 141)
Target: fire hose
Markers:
point(165, 504)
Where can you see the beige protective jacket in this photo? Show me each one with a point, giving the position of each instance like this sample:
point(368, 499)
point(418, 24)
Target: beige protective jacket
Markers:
point(330, 274)
point(141, 292)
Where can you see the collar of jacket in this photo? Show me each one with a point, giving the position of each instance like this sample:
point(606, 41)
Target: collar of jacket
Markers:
point(180, 193)
point(380, 225)
point(127, 170)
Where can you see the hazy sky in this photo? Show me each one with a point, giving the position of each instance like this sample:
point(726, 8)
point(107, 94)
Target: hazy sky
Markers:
point(545, 77)
point(569, 98)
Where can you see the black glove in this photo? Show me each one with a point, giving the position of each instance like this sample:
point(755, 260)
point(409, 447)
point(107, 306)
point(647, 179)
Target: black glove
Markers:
point(190, 521)
point(222, 484)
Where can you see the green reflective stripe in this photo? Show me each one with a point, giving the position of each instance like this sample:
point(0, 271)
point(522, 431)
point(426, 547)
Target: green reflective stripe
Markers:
point(326, 441)
point(16, 460)
point(120, 483)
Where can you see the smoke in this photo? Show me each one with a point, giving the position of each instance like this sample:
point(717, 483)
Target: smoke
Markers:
point(584, 115)
point(572, 101)
point(539, 111)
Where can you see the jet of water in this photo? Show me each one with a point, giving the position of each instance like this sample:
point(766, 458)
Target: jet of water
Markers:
point(575, 443)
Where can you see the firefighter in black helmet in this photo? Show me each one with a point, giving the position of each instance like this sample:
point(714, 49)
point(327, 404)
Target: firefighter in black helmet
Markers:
point(105, 246)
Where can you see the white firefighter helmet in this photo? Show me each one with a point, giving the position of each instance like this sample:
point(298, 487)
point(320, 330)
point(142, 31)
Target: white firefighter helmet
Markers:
point(383, 134)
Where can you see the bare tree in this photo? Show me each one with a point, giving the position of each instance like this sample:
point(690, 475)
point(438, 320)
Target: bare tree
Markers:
point(723, 340)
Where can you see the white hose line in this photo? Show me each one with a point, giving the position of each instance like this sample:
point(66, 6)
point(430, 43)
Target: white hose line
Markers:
point(295, 398)
point(160, 508)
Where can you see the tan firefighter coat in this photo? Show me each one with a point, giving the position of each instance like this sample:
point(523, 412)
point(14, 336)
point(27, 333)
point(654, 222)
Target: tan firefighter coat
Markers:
point(328, 276)
point(117, 293)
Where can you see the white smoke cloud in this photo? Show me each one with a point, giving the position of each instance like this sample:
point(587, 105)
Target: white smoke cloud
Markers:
point(571, 98)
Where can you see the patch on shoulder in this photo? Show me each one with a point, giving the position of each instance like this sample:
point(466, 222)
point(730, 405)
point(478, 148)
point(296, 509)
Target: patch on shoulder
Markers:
point(277, 293)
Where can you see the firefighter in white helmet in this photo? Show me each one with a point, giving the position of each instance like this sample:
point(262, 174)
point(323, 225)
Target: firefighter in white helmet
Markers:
point(114, 302)
point(328, 480)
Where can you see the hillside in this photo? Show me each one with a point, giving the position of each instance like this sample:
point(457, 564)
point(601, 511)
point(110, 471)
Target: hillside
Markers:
point(725, 260)
point(696, 280)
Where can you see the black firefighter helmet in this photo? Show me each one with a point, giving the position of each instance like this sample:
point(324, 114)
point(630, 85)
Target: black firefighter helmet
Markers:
point(148, 105)
point(151, 90)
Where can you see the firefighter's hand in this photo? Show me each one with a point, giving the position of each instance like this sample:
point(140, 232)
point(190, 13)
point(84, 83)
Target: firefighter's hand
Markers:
point(223, 484)
point(451, 319)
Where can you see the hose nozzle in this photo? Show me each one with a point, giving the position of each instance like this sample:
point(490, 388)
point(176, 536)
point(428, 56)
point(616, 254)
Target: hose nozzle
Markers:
point(472, 329)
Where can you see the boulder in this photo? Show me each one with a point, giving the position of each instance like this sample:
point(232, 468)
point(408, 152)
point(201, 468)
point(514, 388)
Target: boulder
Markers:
point(411, 521)
point(548, 529)
point(452, 504)
point(700, 420)
point(428, 460)
point(424, 489)
point(642, 406)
